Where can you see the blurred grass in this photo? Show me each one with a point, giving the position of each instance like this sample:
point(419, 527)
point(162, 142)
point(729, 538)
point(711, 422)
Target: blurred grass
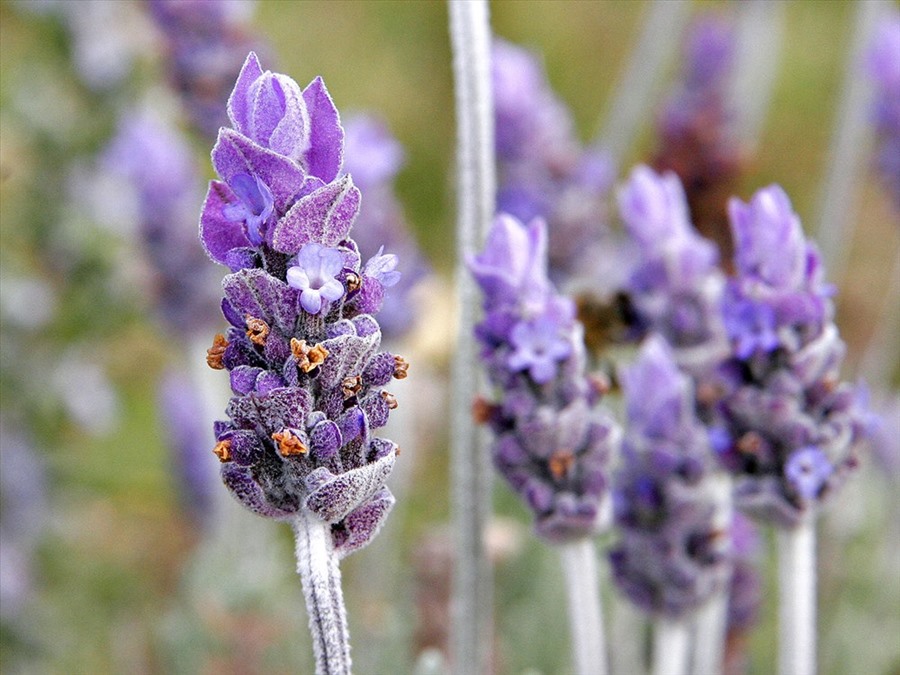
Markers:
point(112, 566)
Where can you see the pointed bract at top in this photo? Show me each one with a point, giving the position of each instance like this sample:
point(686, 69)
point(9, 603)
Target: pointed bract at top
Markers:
point(326, 135)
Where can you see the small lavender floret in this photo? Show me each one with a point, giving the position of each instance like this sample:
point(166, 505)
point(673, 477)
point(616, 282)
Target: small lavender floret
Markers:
point(551, 438)
point(303, 347)
point(788, 425)
point(675, 287)
point(883, 65)
point(673, 554)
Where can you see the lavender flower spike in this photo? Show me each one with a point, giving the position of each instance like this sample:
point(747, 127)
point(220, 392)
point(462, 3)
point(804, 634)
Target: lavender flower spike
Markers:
point(675, 287)
point(884, 70)
point(673, 554)
point(788, 426)
point(552, 441)
point(302, 351)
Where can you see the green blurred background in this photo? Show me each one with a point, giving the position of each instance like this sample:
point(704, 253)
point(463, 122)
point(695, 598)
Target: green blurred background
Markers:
point(121, 581)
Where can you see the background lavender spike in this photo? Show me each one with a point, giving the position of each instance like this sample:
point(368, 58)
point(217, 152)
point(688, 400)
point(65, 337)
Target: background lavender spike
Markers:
point(543, 170)
point(673, 553)
point(206, 42)
point(697, 134)
point(675, 286)
point(551, 439)
point(789, 427)
point(883, 65)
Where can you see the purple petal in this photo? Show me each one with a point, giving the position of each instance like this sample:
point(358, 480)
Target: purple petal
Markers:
point(238, 102)
point(239, 481)
point(361, 525)
point(335, 499)
point(326, 137)
point(218, 233)
point(234, 154)
point(324, 217)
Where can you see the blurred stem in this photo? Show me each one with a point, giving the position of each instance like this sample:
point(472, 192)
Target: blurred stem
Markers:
point(797, 605)
point(670, 646)
point(848, 145)
point(471, 625)
point(579, 564)
point(317, 566)
point(659, 39)
point(879, 360)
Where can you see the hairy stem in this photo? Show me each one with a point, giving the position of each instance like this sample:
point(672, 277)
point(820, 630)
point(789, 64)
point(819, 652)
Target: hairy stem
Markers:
point(579, 565)
point(476, 185)
point(797, 602)
point(317, 566)
point(671, 638)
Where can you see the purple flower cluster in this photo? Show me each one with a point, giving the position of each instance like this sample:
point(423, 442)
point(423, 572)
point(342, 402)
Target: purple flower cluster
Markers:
point(373, 157)
point(673, 553)
point(675, 286)
point(303, 347)
point(884, 70)
point(543, 170)
point(696, 136)
point(788, 425)
point(552, 441)
point(206, 42)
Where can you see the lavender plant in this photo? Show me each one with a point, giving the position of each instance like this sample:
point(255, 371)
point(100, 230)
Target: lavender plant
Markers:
point(302, 351)
point(788, 425)
point(674, 287)
point(697, 136)
point(543, 170)
point(884, 70)
point(673, 553)
point(551, 439)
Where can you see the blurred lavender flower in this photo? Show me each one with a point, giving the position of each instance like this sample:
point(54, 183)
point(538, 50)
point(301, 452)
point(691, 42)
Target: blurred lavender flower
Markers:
point(206, 43)
point(302, 350)
point(673, 555)
point(157, 163)
point(789, 426)
point(373, 157)
point(552, 441)
point(884, 70)
point(745, 593)
point(675, 287)
point(697, 139)
point(542, 168)
point(22, 519)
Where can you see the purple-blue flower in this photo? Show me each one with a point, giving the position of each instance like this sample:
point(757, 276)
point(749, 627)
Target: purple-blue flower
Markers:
point(314, 273)
point(806, 470)
point(538, 347)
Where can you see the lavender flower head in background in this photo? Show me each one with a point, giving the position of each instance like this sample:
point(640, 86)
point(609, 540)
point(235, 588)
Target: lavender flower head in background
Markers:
point(884, 70)
point(542, 168)
point(373, 157)
point(789, 426)
point(552, 441)
point(673, 554)
point(206, 43)
point(675, 286)
point(303, 347)
point(697, 139)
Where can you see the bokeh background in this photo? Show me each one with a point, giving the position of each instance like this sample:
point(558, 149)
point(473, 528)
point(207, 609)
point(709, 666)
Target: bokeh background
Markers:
point(110, 564)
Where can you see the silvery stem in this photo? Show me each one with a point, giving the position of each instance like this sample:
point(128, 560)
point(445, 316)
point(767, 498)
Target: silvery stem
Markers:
point(579, 564)
point(470, 630)
point(317, 566)
point(671, 640)
point(710, 621)
point(797, 602)
point(659, 39)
